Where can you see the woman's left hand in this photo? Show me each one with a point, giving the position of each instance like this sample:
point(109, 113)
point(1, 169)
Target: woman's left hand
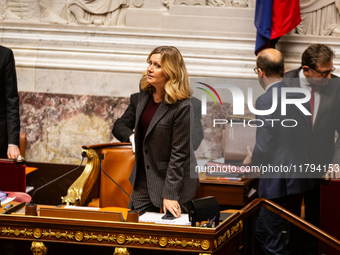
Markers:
point(172, 206)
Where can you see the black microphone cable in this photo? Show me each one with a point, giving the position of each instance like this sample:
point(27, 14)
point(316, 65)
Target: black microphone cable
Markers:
point(83, 156)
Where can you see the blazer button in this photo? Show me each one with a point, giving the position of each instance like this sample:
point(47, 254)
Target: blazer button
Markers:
point(147, 167)
point(146, 151)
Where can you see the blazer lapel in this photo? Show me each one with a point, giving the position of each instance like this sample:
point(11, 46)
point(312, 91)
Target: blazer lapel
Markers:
point(162, 109)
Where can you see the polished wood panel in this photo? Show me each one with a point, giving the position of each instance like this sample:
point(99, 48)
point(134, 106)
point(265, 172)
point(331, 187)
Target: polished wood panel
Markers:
point(229, 193)
point(226, 238)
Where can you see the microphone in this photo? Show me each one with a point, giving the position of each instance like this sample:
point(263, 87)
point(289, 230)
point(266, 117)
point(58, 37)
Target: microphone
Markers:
point(31, 208)
point(101, 167)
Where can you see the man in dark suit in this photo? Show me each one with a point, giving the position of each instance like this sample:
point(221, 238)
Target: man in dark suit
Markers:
point(123, 127)
point(9, 106)
point(279, 146)
point(316, 73)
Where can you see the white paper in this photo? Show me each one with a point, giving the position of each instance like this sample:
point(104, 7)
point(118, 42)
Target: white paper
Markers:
point(82, 208)
point(157, 218)
point(7, 200)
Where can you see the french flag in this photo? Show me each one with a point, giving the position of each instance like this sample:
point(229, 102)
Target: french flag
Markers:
point(273, 19)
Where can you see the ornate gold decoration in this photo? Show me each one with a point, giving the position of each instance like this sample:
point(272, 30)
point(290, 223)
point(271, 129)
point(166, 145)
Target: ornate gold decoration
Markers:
point(191, 243)
point(58, 235)
point(37, 233)
point(229, 233)
point(121, 239)
point(79, 236)
point(163, 242)
point(121, 251)
point(141, 240)
point(205, 245)
point(16, 232)
point(78, 191)
point(100, 238)
point(38, 248)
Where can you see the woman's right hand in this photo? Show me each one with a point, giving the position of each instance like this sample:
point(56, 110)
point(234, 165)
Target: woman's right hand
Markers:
point(172, 206)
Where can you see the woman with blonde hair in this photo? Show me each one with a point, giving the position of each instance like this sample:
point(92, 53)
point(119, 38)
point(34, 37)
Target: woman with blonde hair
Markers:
point(163, 151)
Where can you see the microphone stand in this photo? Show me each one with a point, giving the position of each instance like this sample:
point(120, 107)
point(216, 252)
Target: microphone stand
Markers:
point(31, 208)
point(132, 215)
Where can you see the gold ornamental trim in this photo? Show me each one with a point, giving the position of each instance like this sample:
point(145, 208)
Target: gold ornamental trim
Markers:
point(228, 233)
point(80, 236)
point(141, 240)
point(192, 243)
point(121, 239)
point(16, 232)
point(205, 245)
point(37, 233)
point(58, 235)
point(163, 242)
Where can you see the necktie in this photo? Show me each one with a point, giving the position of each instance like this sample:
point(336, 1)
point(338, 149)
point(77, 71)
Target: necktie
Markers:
point(311, 101)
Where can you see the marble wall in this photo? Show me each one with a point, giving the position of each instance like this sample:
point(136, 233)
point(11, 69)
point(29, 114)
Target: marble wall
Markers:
point(75, 77)
point(57, 125)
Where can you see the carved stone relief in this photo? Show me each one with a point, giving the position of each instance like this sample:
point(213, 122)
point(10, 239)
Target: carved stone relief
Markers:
point(85, 12)
point(46, 12)
point(215, 3)
point(319, 18)
point(138, 3)
point(97, 12)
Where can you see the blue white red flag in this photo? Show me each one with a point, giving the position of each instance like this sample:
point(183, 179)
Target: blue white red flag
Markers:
point(273, 19)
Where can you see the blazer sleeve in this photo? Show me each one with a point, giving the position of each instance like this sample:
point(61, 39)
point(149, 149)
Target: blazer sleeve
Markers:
point(264, 137)
point(12, 100)
point(197, 131)
point(336, 155)
point(123, 127)
point(180, 151)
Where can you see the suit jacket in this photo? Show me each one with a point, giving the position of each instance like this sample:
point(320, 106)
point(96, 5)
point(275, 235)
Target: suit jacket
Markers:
point(123, 127)
point(322, 149)
point(281, 146)
point(9, 102)
point(168, 154)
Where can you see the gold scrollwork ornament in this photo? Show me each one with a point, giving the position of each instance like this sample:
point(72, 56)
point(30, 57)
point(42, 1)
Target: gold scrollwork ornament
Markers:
point(79, 236)
point(163, 241)
point(37, 233)
point(120, 239)
point(205, 245)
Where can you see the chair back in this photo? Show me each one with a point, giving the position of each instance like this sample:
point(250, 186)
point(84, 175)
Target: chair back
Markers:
point(118, 163)
point(22, 144)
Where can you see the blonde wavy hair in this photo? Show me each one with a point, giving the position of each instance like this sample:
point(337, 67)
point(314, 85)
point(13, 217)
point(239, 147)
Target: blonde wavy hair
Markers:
point(177, 86)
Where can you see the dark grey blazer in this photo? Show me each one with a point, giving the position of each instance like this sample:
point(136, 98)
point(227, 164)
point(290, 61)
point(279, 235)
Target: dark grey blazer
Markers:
point(168, 154)
point(9, 102)
point(123, 127)
point(323, 150)
point(282, 146)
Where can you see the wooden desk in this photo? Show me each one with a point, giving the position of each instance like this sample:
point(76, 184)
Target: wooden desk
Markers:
point(229, 193)
point(56, 233)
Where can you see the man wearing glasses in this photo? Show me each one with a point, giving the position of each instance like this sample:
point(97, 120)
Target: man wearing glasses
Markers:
point(315, 74)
